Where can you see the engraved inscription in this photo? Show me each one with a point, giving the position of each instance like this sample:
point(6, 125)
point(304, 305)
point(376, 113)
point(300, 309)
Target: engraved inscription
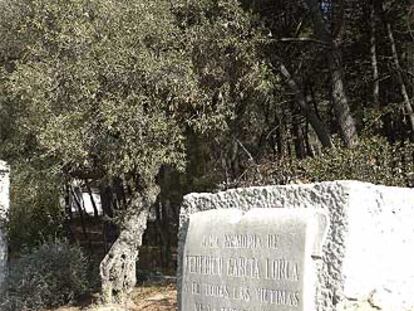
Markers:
point(281, 269)
point(204, 265)
point(272, 241)
point(278, 297)
point(242, 241)
point(244, 267)
point(246, 241)
point(237, 267)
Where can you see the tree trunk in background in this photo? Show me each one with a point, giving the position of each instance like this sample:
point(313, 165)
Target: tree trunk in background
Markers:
point(316, 123)
point(95, 208)
point(77, 198)
point(68, 212)
point(404, 93)
point(161, 225)
point(346, 122)
point(281, 137)
point(118, 268)
point(109, 229)
point(374, 60)
point(299, 137)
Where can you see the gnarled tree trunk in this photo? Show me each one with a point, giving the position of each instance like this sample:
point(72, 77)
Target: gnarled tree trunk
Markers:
point(118, 268)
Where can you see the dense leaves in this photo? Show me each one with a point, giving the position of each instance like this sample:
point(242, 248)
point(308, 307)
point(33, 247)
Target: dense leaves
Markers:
point(96, 90)
point(35, 212)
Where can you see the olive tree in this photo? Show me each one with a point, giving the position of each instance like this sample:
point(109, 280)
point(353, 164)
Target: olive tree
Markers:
point(95, 89)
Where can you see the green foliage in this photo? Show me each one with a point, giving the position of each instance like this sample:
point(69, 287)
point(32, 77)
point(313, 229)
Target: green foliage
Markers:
point(95, 84)
point(35, 213)
point(375, 160)
point(51, 275)
point(233, 80)
point(236, 102)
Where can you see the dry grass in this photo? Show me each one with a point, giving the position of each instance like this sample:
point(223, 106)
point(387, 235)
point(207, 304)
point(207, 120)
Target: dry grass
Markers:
point(144, 298)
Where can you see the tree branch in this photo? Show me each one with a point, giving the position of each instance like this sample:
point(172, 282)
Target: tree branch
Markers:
point(300, 40)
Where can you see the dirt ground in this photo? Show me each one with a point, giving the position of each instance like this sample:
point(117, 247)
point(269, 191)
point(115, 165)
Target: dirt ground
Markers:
point(144, 298)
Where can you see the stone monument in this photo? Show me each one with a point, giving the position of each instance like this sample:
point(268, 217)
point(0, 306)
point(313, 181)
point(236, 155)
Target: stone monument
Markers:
point(4, 210)
point(365, 263)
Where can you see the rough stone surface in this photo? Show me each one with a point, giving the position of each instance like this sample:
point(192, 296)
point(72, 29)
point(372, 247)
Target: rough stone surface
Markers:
point(257, 261)
point(368, 253)
point(4, 210)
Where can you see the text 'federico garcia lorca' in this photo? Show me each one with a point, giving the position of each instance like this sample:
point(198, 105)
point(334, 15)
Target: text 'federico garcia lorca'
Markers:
point(232, 268)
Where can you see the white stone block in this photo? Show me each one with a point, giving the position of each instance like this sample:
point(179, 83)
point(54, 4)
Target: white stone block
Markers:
point(369, 251)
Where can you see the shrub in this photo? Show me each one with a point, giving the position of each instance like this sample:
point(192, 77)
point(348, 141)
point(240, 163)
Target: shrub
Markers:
point(374, 160)
point(51, 275)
